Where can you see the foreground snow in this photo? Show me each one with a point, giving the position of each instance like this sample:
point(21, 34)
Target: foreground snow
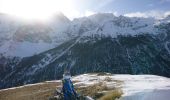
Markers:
point(135, 87)
point(145, 87)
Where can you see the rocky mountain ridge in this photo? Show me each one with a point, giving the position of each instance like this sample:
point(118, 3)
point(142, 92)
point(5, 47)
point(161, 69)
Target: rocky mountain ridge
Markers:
point(98, 43)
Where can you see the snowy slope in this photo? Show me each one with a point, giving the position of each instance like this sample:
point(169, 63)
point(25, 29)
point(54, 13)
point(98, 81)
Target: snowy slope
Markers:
point(145, 87)
point(25, 49)
point(126, 26)
point(135, 87)
point(98, 43)
point(22, 39)
point(60, 29)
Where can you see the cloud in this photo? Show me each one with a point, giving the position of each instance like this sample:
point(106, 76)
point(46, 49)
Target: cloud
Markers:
point(164, 1)
point(167, 13)
point(77, 14)
point(151, 5)
point(115, 13)
point(71, 14)
point(103, 3)
point(154, 13)
point(88, 13)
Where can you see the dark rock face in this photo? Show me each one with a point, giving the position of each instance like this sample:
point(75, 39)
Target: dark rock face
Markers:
point(139, 54)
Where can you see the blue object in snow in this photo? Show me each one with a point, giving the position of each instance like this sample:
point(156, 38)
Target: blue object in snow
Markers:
point(68, 89)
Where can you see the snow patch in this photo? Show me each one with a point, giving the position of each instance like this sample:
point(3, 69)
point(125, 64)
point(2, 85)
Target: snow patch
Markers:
point(135, 87)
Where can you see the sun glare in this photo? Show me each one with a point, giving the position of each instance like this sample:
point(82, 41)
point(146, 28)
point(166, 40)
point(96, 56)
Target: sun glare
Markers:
point(35, 9)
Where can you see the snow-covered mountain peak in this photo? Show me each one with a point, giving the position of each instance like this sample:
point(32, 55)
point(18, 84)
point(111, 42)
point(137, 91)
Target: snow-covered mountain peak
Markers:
point(101, 18)
point(121, 25)
point(166, 19)
point(60, 29)
point(19, 34)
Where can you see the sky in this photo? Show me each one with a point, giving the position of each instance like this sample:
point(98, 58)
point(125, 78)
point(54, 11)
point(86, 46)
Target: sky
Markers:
point(126, 7)
point(79, 8)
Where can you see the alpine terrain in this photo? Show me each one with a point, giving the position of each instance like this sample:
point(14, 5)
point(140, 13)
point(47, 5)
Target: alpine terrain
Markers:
point(32, 52)
point(99, 86)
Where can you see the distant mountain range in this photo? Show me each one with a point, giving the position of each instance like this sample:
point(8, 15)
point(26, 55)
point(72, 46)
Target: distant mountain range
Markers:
point(32, 52)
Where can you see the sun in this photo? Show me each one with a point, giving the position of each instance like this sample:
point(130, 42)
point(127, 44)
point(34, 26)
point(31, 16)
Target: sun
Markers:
point(35, 9)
